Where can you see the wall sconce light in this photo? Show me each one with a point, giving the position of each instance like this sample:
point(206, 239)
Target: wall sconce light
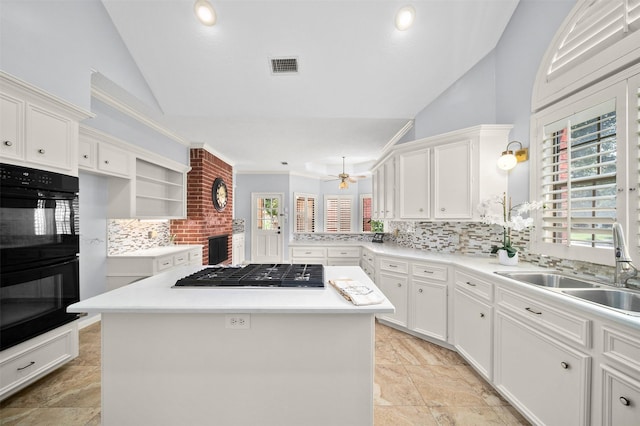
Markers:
point(510, 158)
point(205, 12)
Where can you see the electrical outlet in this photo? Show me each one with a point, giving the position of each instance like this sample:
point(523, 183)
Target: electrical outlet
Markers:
point(238, 321)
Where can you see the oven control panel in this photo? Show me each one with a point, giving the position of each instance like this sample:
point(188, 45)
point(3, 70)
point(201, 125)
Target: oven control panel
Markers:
point(18, 176)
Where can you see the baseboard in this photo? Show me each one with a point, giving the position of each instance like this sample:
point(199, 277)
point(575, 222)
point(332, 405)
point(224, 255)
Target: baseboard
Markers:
point(88, 320)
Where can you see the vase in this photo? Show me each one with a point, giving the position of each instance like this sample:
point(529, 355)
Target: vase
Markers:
point(504, 259)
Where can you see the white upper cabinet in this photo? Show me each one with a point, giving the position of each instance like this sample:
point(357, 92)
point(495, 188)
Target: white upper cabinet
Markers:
point(38, 130)
point(414, 184)
point(444, 177)
point(389, 188)
point(453, 182)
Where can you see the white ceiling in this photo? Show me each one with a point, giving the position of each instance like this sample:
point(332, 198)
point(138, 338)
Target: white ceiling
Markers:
point(360, 80)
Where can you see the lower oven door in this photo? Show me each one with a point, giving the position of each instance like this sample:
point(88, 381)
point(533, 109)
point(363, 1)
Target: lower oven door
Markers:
point(35, 301)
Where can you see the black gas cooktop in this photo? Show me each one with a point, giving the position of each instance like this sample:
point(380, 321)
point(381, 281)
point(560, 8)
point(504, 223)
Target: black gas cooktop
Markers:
point(257, 275)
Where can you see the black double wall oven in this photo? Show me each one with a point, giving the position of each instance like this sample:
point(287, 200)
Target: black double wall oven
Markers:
point(39, 246)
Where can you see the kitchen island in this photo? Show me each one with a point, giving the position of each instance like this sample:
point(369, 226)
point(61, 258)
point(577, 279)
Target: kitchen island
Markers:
point(242, 356)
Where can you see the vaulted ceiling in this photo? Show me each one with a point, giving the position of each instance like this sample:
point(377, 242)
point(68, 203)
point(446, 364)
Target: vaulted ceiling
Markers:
point(359, 80)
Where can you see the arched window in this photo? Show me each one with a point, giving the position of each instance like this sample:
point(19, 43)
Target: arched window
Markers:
point(585, 133)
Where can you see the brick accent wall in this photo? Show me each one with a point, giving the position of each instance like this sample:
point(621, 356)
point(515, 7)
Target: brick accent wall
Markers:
point(203, 220)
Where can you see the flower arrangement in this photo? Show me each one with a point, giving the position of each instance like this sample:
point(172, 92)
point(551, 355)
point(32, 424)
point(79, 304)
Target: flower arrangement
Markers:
point(510, 217)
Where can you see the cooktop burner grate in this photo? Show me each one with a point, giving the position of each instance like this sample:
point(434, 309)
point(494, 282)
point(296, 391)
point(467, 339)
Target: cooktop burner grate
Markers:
point(257, 275)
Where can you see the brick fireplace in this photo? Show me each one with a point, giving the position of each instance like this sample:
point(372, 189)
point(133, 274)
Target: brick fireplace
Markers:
point(203, 220)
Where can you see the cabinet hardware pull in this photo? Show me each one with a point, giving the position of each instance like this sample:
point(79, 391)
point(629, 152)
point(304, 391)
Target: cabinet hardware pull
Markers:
point(428, 272)
point(442, 209)
point(85, 156)
point(564, 365)
point(41, 151)
point(532, 311)
point(343, 252)
point(399, 284)
point(8, 143)
point(470, 283)
point(419, 290)
point(392, 266)
point(307, 252)
point(26, 366)
point(624, 401)
point(106, 161)
point(481, 315)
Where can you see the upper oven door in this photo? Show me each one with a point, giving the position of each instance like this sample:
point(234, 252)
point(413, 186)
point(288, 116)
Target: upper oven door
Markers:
point(37, 227)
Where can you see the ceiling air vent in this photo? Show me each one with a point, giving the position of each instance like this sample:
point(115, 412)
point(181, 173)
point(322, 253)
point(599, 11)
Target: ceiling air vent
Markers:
point(284, 65)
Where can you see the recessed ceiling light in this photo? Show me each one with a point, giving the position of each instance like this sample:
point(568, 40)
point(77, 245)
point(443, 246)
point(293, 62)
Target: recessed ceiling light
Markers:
point(405, 17)
point(205, 12)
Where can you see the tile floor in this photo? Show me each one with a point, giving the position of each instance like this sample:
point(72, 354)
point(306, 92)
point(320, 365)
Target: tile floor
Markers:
point(416, 383)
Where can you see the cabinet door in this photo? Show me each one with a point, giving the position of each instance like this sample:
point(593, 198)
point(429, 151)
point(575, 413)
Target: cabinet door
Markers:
point(414, 185)
point(395, 288)
point(87, 154)
point(378, 193)
point(113, 160)
point(429, 308)
point(49, 138)
point(621, 394)
point(547, 380)
point(473, 331)
point(389, 188)
point(11, 128)
point(452, 181)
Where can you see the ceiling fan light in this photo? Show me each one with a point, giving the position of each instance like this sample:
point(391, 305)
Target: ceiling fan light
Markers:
point(405, 18)
point(343, 184)
point(204, 12)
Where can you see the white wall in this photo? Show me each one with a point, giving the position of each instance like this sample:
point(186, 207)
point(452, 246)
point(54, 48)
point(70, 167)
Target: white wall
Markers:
point(498, 89)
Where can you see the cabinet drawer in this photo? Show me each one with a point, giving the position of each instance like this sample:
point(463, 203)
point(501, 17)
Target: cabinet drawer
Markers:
point(621, 398)
point(343, 252)
point(195, 257)
point(36, 360)
point(368, 257)
point(621, 347)
point(475, 285)
point(180, 259)
point(426, 270)
point(165, 262)
point(566, 324)
point(393, 265)
point(308, 252)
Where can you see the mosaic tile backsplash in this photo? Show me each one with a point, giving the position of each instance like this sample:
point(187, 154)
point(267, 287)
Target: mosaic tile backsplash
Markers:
point(469, 238)
point(126, 235)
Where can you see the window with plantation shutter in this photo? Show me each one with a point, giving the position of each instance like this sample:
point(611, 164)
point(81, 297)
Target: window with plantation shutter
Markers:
point(366, 209)
point(337, 214)
point(578, 178)
point(306, 212)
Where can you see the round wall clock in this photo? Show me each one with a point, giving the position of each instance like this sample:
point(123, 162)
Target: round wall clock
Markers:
point(219, 194)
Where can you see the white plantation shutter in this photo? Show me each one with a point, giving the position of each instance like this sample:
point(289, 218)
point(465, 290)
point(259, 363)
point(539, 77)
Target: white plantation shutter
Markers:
point(337, 215)
point(306, 212)
point(600, 25)
point(578, 178)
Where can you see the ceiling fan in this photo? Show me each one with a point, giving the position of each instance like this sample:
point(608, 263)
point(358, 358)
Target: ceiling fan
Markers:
point(345, 178)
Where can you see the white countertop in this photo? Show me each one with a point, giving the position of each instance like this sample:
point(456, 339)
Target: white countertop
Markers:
point(487, 265)
point(156, 295)
point(158, 251)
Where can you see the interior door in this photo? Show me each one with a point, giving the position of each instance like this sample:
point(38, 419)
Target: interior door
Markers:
point(266, 228)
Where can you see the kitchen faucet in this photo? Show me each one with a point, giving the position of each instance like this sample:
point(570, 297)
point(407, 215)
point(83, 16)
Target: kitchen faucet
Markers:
point(624, 268)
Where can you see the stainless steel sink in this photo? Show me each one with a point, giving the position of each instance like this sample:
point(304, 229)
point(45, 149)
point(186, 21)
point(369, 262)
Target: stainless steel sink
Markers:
point(617, 299)
point(549, 279)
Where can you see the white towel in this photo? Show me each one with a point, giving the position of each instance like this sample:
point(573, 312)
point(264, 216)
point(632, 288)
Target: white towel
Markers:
point(357, 293)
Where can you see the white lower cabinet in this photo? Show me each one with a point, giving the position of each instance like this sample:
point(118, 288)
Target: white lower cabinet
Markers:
point(368, 263)
point(395, 287)
point(620, 398)
point(428, 300)
point(544, 378)
point(473, 331)
point(26, 362)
